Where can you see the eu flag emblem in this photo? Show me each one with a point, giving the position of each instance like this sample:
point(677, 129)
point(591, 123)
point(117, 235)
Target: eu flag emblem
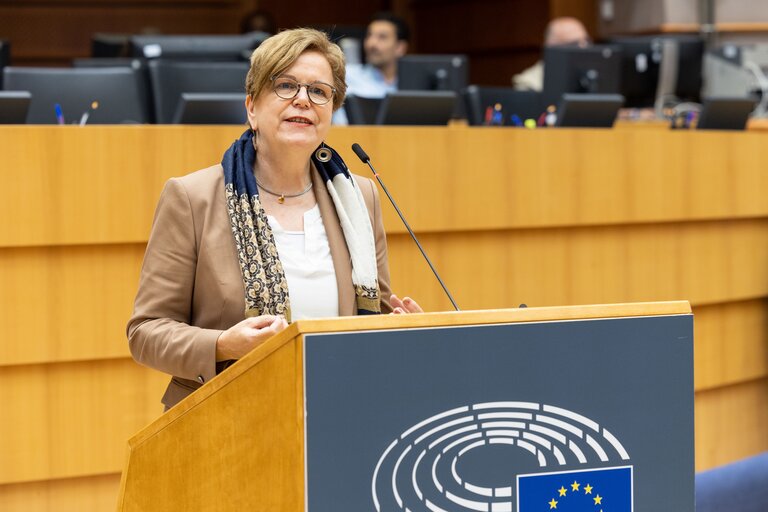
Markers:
point(593, 490)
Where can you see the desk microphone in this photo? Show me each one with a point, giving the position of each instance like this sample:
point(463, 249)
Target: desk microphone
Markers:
point(367, 160)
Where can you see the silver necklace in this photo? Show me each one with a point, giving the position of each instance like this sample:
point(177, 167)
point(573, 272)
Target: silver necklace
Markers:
point(281, 197)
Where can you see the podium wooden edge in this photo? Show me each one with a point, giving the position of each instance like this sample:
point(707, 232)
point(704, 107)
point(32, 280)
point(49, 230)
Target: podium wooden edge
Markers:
point(414, 321)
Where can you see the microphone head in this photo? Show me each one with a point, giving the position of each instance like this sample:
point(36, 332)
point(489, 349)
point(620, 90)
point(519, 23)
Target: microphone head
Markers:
point(360, 153)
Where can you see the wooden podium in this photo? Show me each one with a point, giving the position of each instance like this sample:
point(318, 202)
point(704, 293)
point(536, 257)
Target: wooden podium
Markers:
point(410, 412)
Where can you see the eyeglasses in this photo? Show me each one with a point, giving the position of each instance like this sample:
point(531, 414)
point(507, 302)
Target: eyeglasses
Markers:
point(319, 93)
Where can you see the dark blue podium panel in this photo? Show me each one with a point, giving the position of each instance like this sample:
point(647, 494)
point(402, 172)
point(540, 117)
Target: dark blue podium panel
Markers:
point(581, 415)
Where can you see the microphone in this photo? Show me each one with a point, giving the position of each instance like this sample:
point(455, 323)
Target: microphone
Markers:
point(367, 160)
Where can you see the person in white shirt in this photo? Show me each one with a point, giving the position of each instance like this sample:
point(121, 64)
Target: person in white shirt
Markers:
point(385, 42)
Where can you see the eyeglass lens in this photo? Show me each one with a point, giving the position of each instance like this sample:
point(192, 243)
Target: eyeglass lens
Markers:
point(319, 93)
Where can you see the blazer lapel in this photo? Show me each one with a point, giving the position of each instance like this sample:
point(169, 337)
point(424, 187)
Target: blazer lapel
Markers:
point(342, 263)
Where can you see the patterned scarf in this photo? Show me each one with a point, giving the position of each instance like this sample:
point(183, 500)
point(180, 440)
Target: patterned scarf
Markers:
point(266, 289)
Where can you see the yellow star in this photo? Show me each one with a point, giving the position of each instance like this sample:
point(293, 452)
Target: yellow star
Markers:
point(598, 500)
point(575, 485)
point(552, 504)
point(562, 491)
point(588, 489)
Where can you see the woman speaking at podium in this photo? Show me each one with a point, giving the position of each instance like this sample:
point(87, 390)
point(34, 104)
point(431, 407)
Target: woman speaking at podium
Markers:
point(279, 231)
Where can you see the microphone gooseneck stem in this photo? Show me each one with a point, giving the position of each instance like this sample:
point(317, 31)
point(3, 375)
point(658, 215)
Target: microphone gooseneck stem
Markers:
point(366, 160)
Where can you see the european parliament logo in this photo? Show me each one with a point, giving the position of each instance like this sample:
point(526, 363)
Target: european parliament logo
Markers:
point(458, 461)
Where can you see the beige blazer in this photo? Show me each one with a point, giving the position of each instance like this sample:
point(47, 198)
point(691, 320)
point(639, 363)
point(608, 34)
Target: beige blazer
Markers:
point(191, 288)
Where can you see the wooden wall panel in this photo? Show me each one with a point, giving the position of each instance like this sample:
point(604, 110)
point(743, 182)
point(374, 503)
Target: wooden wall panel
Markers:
point(731, 343)
point(597, 177)
point(93, 493)
point(78, 298)
point(45, 32)
point(705, 263)
point(72, 419)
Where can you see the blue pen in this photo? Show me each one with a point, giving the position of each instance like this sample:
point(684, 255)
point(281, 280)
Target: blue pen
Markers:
point(59, 113)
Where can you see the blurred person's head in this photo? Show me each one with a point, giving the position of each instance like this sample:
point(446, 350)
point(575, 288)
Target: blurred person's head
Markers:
point(386, 40)
point(258, 21)
point(566, 31)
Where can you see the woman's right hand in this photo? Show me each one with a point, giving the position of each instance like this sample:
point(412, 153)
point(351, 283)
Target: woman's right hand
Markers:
point(243, 337)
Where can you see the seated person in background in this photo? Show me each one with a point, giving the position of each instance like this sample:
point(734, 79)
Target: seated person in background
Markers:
point(258, 20)
point(385, 42)
point(560, 32)
point(241, 248)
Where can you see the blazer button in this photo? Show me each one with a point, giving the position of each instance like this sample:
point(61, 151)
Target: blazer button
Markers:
point(200, 379)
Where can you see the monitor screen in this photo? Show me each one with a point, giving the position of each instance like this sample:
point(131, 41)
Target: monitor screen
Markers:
point(196, 47)
point(434, 73)
point(641, 61)
point(5, 57)
point(571, 69)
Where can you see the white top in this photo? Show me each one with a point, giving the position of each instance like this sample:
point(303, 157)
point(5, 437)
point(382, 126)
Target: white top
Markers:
point(308, 267)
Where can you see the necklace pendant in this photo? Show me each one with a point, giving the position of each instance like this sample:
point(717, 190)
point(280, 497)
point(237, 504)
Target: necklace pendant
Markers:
point(281, 199)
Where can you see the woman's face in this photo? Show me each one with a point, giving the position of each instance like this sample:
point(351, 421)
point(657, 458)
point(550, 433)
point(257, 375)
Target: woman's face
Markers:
point(297, 121)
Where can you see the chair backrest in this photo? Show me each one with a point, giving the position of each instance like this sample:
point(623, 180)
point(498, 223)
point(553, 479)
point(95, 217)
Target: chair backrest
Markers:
point(740, 486)
point(172, 78)
point(115, 89)
point(523, 104)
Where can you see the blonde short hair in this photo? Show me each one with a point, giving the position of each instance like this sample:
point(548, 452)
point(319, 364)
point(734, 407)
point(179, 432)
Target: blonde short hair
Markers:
point(280, 51)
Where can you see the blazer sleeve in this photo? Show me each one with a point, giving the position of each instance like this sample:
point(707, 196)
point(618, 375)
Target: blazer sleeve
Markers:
point(159, 332)
point(380, 236)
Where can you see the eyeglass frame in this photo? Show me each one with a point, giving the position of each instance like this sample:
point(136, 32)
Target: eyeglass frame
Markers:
point(306, 87)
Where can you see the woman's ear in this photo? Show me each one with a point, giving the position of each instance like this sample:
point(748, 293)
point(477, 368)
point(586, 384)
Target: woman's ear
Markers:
point(249, 109)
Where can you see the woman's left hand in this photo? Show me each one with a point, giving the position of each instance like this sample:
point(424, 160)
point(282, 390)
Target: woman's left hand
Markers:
point(404, 306)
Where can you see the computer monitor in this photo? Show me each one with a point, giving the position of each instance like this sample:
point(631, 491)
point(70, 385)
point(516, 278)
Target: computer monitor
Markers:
point(725, 113)
point(362, 110)
point(434, 73)
point(210, 108)
point(417, 108)
point(572, 69)
point(14, 106)
point(588, 110)
point(196, 47)
point(110, 45)
point(641, 58)
point(5, 57)
point(170, 79)
point(116, 90)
